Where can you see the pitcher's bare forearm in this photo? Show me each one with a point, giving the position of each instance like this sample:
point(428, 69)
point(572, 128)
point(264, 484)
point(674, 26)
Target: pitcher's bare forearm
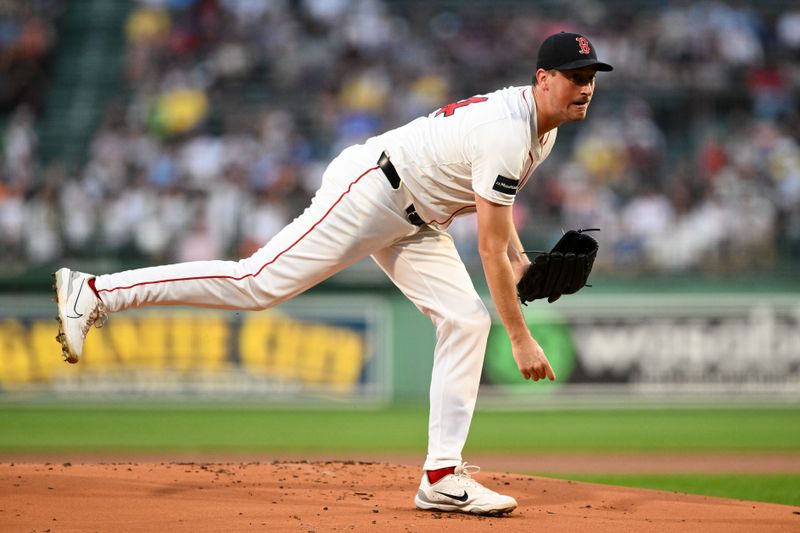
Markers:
point(496, 241)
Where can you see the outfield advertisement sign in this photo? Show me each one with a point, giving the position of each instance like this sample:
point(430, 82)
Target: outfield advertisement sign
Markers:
point(351, 349)
point(310, 348)
point(661, 343)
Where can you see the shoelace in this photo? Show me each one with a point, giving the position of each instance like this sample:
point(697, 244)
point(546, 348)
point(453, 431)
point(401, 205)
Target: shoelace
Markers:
point(98, 317)
point(465, 471)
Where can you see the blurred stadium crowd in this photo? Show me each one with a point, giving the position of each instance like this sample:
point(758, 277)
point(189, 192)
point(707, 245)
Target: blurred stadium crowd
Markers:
point(229, 110)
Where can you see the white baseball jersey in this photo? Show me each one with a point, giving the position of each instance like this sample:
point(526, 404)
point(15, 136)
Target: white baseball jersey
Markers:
point(486, 145)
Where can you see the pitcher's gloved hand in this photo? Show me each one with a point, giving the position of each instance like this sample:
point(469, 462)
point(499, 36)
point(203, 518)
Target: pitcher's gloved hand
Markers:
point(562, 270)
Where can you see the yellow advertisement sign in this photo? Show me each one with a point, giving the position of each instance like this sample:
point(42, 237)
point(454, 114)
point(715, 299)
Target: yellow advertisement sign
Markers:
point(194, 347)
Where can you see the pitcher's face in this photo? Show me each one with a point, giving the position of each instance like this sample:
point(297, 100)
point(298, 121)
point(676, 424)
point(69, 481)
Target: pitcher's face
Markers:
point(570, 92)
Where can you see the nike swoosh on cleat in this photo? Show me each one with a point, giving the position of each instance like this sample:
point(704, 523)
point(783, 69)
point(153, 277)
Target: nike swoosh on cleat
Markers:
point(461, 498)
point(75, 305)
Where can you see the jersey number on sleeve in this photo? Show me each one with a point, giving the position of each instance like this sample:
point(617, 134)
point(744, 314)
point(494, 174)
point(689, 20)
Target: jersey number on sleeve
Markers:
point(449, 109)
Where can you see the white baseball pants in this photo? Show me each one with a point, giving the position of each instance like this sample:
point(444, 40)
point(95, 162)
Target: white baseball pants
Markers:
point(355, 213)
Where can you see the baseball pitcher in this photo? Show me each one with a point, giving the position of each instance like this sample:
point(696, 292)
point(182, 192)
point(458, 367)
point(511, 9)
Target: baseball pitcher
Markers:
point(392, 198)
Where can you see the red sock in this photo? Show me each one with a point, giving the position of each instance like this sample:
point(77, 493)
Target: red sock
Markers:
point(94, 289)
point(436, 475)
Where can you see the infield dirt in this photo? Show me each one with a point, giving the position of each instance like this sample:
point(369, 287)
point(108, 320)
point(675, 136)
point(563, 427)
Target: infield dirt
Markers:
point(339, 496)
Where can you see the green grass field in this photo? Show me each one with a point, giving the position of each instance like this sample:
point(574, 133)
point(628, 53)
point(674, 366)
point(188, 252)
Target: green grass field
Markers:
point(775, 488)
point(34, 428)
point(31, 429)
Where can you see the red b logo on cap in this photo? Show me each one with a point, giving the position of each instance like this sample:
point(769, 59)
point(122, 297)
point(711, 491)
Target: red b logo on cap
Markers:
point(584, 44)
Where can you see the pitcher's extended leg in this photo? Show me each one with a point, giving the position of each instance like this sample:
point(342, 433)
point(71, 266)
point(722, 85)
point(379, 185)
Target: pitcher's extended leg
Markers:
point(352, 214)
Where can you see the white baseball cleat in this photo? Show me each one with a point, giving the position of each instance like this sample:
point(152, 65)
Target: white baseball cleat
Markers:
point(460, 493)
point(78, 308)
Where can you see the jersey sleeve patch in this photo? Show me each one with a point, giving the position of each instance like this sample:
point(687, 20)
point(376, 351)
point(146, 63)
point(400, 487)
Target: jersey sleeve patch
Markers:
point(505, 185)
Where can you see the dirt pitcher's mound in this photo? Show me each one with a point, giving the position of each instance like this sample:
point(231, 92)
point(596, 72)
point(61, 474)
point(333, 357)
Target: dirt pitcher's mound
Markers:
point(335, 496)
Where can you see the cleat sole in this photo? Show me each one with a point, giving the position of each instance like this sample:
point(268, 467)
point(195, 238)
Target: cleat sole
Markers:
point(61, 338)
point(500, 512)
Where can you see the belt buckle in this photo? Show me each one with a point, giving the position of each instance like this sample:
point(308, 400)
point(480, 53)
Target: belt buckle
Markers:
point(413, 216)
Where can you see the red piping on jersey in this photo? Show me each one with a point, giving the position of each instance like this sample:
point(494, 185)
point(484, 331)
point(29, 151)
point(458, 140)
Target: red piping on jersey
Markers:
point(265, 265)
point(457, 211)
point(544, 141)
point(527, 172)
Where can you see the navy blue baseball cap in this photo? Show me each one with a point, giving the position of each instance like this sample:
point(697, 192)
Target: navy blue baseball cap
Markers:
point(566, 51)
